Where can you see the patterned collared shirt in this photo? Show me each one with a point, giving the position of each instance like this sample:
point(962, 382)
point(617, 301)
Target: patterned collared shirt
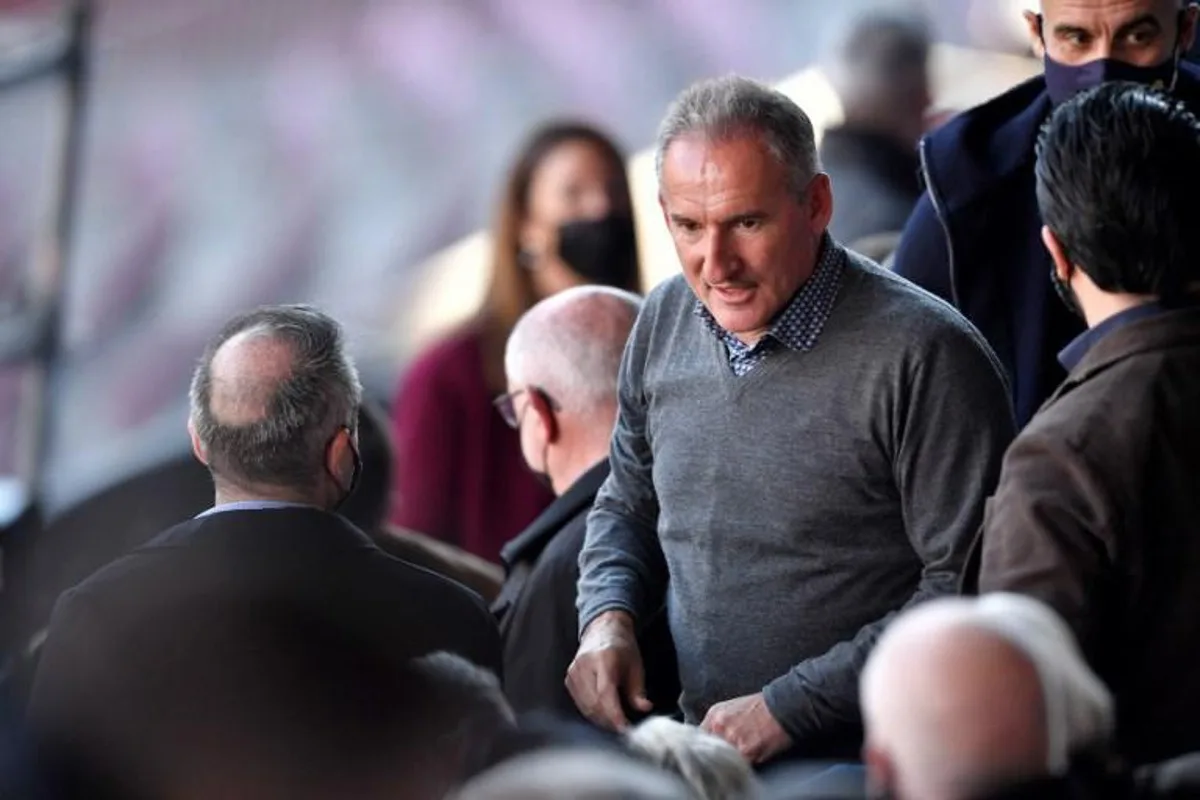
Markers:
point(800, 323)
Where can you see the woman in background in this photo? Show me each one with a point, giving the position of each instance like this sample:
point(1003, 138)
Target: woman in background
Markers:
point(564, 220)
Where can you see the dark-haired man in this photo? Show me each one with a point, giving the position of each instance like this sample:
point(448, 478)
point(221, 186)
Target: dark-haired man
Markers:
point(274, 408)
point(973, 238)
point(1098, 507)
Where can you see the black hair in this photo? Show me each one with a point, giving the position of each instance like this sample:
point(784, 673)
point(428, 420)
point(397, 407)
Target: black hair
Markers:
point(1117, 172)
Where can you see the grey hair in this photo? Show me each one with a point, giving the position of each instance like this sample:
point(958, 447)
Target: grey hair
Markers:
point(570, 345)
point(879, 61)
point(573, 774)
point(1079, 712)
point(712, 767)
point(721, 108)
point(320, 394)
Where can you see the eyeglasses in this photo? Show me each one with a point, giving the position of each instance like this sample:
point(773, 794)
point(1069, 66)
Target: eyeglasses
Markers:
point(506, 404)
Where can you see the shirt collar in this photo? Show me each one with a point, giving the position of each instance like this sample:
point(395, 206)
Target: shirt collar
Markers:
point(1072, 355)
point(252, 505)
point(798, 326)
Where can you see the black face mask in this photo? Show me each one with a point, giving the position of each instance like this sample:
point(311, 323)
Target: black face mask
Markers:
point(1066, 294)
point(602, 251)
point(1064, 81)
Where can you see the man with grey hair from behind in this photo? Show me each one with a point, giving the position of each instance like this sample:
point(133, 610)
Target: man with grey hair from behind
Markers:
point(561, 362)
point(878, 66)
point(967, 697)
point(274, 403)
point(803, 446)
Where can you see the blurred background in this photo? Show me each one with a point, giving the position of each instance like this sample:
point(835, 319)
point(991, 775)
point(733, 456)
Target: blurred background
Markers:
point(328, 151)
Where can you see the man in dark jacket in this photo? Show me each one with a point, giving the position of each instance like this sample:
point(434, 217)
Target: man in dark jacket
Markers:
point(1098, 506)
point(973, 238)
point(274, 411)
point(880, 72)
point(562, 361)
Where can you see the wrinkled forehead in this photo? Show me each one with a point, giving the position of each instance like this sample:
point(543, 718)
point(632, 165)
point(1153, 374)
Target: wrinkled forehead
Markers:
point(1109, 14)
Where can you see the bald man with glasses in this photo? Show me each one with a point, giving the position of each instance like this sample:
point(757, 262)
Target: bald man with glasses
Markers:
point(561, 363)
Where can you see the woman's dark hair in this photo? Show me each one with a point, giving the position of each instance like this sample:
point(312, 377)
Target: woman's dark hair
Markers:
point(510, 293)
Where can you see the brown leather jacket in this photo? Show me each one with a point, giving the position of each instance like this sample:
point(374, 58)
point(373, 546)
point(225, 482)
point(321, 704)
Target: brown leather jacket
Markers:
point(1098, 514)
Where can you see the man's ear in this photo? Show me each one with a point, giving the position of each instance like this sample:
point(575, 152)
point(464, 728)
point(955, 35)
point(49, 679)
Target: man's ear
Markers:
point(340, 457)
point(197, 445)
point(820, 196)
point(1062, 265)
point(1035, 32)
point(540, 405)
point(881, 778)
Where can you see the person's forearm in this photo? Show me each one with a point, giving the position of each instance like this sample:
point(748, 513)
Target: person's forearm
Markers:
point(620, 568)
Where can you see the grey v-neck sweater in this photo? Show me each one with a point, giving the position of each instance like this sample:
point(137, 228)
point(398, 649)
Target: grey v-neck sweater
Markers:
point(787, 513)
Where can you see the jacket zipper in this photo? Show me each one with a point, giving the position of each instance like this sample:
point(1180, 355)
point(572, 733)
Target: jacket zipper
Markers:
point(941, 215)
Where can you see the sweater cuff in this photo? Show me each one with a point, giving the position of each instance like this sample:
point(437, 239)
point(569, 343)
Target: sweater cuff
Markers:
point(791, 706)
point(601, 606)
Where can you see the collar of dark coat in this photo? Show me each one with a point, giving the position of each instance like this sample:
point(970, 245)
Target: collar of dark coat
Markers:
point(305, 533)
point(980, 148)
point(1169, 329)
point(529, 544)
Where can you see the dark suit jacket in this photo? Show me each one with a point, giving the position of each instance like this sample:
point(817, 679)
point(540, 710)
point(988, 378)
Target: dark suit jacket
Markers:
point(1097, 513)
point(145, 634)
point(538, 619)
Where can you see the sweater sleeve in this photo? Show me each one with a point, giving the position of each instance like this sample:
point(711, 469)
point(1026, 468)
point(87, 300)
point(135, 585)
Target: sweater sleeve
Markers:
point(621, 564)
point(953, 421)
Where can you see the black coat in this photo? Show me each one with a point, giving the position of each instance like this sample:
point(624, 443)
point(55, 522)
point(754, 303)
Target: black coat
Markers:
point(538, 619)
point(141, 643)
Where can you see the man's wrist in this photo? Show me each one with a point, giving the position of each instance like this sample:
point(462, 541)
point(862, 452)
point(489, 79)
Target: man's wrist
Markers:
point(614, 620)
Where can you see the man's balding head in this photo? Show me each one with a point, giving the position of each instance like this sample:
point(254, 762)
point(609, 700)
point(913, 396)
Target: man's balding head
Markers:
point(570, 346)
point(272, 390)
point(962, 696)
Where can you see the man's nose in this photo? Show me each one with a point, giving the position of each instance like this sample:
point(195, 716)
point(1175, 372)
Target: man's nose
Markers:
point(720, 263)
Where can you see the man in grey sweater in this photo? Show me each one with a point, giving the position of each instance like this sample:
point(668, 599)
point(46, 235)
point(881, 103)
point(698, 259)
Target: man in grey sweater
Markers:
point(803, 446)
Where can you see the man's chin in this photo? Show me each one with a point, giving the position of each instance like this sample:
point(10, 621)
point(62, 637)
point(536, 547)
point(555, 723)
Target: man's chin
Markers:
point(742, 325)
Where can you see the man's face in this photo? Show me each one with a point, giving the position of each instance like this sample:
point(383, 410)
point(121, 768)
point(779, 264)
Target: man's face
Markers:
point(745, 241)
point(1144, 33)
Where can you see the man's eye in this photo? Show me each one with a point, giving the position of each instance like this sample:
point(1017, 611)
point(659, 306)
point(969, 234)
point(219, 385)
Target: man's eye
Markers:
point(1141, 38)
point(749, 224)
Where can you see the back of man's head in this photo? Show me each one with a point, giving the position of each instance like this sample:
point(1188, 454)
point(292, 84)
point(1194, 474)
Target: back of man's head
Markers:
point(271, 390)
point(964, 696)
point(1117, 172)
point(878, 63)
point(570, 346)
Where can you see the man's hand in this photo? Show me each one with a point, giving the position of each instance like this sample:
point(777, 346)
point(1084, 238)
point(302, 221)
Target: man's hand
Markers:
point(607, 668)
point(747, 724)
